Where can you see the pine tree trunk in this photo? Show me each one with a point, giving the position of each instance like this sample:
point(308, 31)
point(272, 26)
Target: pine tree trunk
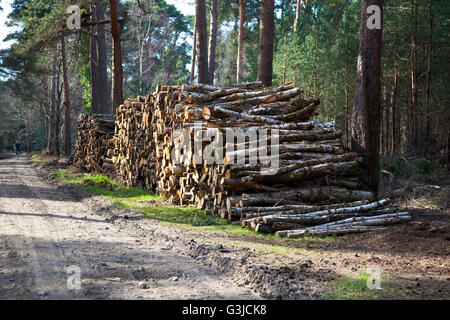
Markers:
point(366, 116)
point(213, 40)
point(412, 113)
point(103, 92)
point(52, 123)
point(266, 31)
point(67, 121)
point(117, 69)
point(202, 45)
point(387, 121)
point(58, 113)
point(395, 117)
point(428, 90)
point(94, 62)
point(240, 56)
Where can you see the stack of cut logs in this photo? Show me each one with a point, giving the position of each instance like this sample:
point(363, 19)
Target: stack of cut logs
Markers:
point(95, 137)
point(313, 164)
point(293, 221)
point(311, 189)
point(133, 144)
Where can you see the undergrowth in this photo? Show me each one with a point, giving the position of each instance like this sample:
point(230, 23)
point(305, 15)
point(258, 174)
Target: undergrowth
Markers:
point(417, 170)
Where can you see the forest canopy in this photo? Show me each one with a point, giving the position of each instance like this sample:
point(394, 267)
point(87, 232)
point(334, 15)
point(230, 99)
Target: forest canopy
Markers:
point(315, 48)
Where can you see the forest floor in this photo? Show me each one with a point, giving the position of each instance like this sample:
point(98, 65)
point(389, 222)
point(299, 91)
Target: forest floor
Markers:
point(123, 252)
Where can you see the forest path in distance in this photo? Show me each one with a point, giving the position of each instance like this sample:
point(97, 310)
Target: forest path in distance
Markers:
point(47, 233)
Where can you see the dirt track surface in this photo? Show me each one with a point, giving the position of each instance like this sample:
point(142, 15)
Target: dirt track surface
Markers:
point(47, 225)
point(44, 229)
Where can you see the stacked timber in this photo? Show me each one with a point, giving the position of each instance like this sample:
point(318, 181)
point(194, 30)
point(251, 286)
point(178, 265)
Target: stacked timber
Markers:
point(314, 166)
point(133, 144)
point(314, 170)
point(293, 221)
point(95, 138)
point(302, 180)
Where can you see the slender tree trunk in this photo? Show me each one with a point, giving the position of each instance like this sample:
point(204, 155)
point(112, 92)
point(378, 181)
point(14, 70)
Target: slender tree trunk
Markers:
point(67, 121)
point(413, 116)
point(395, 117)
point(103, 91)
point(428, 92)
point(366, 116)
point(240, 56)
point(58, 113)
point(347, 105)
point(202, 45)
point(117, 69)
point(52, 125)
point(297, 13)
point(94, 62)
point(194, 52)
point(214, 14)
point(266, 30)
point(387, 117)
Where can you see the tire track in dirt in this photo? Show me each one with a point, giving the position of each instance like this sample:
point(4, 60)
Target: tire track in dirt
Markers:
point(46, 260)
point(44, 229)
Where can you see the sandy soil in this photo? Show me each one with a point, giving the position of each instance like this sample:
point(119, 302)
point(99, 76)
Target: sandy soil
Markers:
point(44, 229)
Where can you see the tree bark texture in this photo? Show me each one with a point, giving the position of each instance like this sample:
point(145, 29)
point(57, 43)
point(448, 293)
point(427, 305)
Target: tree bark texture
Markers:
point(117, 69)
point(366, 116)
point(266, 31)
point(214, 14)
point(202, 45)
point(240, 56)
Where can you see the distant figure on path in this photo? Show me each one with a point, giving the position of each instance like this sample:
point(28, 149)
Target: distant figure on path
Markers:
point(17, 147)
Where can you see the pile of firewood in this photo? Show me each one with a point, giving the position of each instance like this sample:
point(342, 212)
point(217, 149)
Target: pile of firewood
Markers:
point(315, 171)
point(162, 141)
point(314, 166)
point(133, 144)
point(95, 137)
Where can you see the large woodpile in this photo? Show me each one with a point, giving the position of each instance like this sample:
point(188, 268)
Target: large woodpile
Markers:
point(314, 166)
point(169, 142)
point(95, 138)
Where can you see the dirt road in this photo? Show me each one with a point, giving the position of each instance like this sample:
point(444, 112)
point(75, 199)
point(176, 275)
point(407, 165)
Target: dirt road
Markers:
point(50, 229)
point(48, 234)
